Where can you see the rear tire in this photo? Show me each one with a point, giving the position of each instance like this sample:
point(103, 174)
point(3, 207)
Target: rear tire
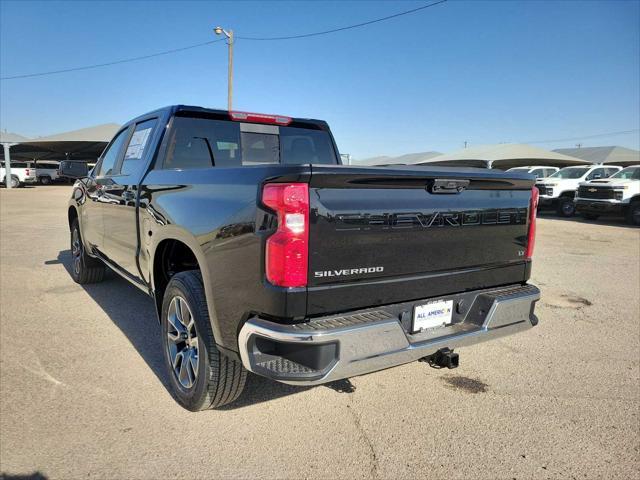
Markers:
point(201, 377)
point(84, 269)
point(633, 214)
point(566, 207)
point(45, 180)
point(15, 181)
point(590, 216)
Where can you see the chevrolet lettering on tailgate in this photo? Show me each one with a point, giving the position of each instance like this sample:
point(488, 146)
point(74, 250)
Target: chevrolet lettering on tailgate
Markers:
point(417, 220)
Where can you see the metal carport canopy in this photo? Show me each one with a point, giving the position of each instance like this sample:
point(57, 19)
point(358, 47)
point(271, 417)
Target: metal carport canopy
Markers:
point(84, 144)
point(504, 156)
point(606, 155)
point(24, 151)
point(8, 140)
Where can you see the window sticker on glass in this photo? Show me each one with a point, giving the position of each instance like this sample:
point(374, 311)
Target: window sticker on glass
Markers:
point(226, 145)
point(136, 145)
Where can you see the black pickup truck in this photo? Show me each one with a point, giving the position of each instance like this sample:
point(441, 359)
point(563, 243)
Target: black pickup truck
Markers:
point(263, 253)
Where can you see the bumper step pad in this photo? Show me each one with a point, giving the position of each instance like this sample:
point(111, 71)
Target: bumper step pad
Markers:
point(344, 321)
point(284, 366)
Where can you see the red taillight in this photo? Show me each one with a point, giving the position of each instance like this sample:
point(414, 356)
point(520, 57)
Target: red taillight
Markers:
point(260, 118)
point(27, 172)
point(533, 210)
point(287, 252)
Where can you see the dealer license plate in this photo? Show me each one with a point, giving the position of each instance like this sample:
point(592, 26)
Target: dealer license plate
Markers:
point(432, 315)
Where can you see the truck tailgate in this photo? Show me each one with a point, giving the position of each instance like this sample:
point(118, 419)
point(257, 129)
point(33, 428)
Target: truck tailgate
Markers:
point(382, 235)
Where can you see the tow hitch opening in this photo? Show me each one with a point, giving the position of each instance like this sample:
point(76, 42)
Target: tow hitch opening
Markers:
point(444, 358)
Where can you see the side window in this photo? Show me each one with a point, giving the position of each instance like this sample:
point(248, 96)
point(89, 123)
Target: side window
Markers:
point(611, 171)
point(138, 147)
point(202, 143)
point(111, 155)
point(538, 172)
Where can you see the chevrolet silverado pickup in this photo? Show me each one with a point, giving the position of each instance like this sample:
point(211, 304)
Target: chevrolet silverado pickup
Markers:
point(21, 173)
point(264, 254)
point(558, 190)
point(540, 171)
point(616, 195)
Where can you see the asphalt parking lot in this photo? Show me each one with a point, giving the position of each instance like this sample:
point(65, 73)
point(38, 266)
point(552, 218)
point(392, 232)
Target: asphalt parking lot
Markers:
point(83, 391)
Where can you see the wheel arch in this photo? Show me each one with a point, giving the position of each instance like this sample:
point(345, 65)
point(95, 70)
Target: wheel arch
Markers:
point(72, 214)
point(13, 175)
point(174, 253)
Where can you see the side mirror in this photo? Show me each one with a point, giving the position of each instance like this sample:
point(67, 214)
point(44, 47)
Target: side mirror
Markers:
point(71, 169)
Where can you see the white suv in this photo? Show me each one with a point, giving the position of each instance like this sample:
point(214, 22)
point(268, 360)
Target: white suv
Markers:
point(559, 189)
point(617, 195)
point(540, 171)
point(21, 173)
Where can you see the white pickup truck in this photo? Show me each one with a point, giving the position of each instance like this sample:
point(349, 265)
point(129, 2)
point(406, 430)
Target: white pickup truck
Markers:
point(21, 173)
point(558, 190)
point(617, 195)
point(540, 171)
point(47, 171)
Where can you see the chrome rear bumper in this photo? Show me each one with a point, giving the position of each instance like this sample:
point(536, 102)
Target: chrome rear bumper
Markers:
point(343, 346)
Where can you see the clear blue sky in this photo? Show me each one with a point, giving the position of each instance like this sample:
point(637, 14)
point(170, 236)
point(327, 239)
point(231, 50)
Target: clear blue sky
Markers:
point(484, 72)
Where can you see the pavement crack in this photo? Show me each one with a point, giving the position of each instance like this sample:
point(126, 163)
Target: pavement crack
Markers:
point(41, 372)
point(373, 472)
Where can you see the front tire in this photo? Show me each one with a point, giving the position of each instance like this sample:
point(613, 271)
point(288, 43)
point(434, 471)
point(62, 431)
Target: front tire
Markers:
point(201, 377)
point(45, 180)
point(566, 207)
point(633, 214)
point(84, 269)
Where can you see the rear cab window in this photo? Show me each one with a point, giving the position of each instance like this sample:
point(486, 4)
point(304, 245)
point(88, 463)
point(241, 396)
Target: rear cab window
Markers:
point(597, 173)
point(205, 142)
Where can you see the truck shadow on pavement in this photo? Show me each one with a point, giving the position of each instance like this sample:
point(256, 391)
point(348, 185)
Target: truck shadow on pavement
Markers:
point(136, 318)
point(20, 476)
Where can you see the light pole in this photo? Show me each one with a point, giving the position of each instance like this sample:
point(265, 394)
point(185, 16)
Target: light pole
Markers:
point(7, 160)
point(229, 35)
